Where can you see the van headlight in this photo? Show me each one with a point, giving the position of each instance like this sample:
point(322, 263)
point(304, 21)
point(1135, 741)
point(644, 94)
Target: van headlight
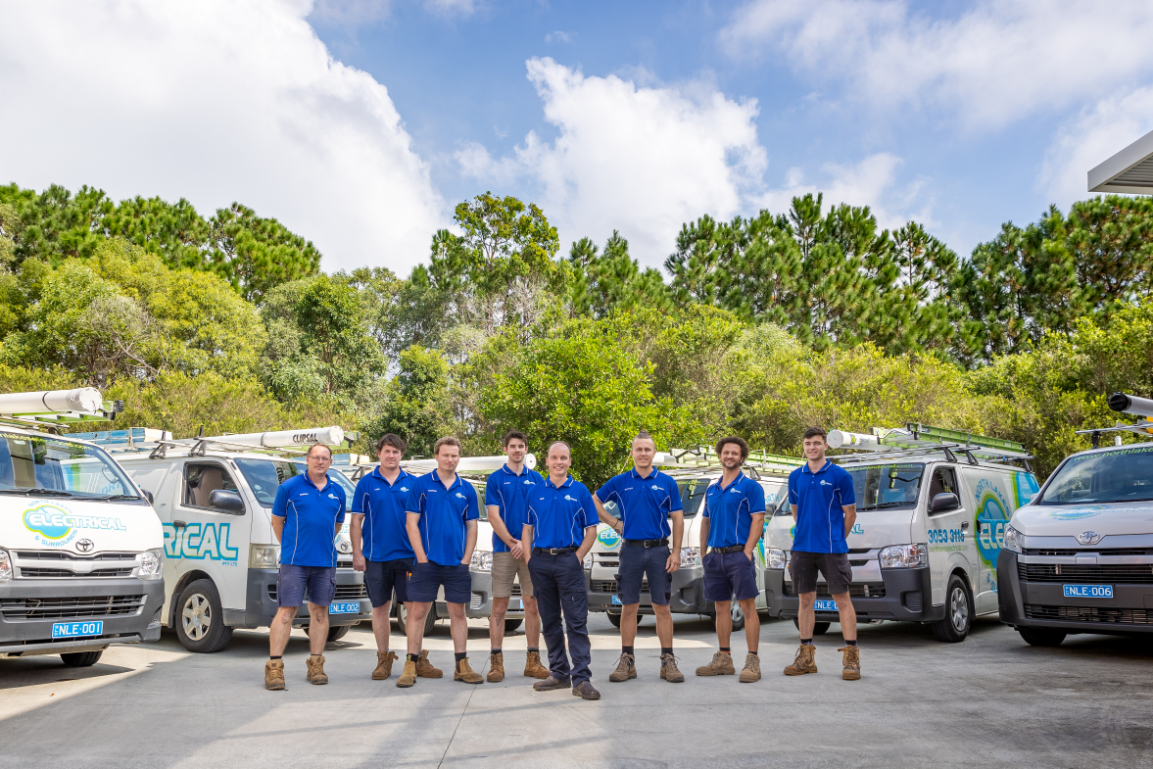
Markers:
point(904, 556)
point(1014, 540)
point(588, 562)
point(151, 564)
point(776, 559)
point(481, 560)
point(263, 556)
point(5, 566)
point(690, 556)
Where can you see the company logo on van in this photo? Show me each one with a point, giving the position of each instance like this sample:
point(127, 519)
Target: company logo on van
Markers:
point(608, 538)
point(55, 525)
point(201, 541)
point(992, 515)
point(1077, 513)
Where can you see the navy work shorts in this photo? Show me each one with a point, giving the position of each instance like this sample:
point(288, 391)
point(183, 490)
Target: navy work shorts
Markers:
point(637, 562)
point(729, 575)
point(382, 578)
point(428, 577)
point(296, 584)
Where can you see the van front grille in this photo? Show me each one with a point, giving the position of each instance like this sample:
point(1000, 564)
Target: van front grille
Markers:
point(68, 608)
point(856, 590)
point(1101, 574)
point(39, 573)
point(1100, 614)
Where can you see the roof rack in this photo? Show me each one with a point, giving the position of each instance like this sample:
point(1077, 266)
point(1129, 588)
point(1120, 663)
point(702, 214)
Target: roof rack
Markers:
point(916, 439)
point(1126, 404)
point(56, 407)
point(275, 442)
point(705, 458)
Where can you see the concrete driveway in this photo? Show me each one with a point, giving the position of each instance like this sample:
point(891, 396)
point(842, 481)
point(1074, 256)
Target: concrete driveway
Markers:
point(990, 701)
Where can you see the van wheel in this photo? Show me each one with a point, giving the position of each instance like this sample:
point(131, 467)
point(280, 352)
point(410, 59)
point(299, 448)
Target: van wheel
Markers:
point(510, 625)
point(81, 659)
point(336, 633)
point(402, 619)
point(737, 616)
point(200, 619)
point(615, 619)
point(1041, 636)
point(819, 628)
point(958, 613)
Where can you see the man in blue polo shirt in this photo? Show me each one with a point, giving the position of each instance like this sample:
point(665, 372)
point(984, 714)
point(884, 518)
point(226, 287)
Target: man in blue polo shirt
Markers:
point(380, 546)
point(646, 499)
point(731, 527)
point(824, 507)
point(307, 514)
point(506, 496)
point(559, 532)
point(442, 512)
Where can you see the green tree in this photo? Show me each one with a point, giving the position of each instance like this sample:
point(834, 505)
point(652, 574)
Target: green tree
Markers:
point(417, 403)
point(612, 280)
point(256, 254)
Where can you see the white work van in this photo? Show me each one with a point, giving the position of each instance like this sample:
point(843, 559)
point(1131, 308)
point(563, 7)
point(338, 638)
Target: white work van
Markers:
point(214, 498)
point(693, 471)
point(932, 505)
point(1079, 557)
point(81, 551)
point(475, 470)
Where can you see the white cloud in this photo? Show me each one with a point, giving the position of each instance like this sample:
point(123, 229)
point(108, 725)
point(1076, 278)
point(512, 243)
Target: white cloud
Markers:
point(558, 37)
point(350, 13)
point(643, 160)
point(452, 7)
point(989, 65)
point(214, 101)
point(1091, 138)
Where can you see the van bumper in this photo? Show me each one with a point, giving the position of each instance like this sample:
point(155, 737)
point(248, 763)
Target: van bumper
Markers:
point(261, 602)
point(686, 594)
point(904, 597)
point(1044, 605)
point(480, 605)
point(29, 608)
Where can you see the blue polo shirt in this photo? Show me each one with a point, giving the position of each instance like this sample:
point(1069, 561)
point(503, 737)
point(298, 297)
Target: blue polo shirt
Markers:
point(443, 512)
point(560, 515)
point(310, 516)
point(730, 510)
point(510, 492)
point(817, 499)
point(645, 503)
point(383, 535)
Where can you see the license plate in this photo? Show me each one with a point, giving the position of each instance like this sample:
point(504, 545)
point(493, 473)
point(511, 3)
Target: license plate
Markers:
point(77, 629)
point(351, 607)
point(824, 605)
point(1088, 591)
point(616, 601)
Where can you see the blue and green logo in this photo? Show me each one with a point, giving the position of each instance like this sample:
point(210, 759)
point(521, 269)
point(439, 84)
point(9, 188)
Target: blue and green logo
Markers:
point(608, 538)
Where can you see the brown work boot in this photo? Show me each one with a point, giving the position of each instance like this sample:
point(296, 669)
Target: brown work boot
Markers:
point(274, 675)
point(551, 684)
point(384, 662)
point(752, 671)
point(626, 669)
point(533, 667)
point(721, 665)
point(496, 668)
point(316, 671)
point(424, 668)
point(466, 674)
point(806, 661)
point(852, 663)
point(585, 691)
point(669, 670)
point(408, 675)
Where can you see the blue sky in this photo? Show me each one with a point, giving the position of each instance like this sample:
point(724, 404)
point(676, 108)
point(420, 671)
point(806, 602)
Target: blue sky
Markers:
point(360, 123)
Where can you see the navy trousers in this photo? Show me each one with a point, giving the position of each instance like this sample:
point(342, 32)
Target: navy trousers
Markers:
point(558, 581)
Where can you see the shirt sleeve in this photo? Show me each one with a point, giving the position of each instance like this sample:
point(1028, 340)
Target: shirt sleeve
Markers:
point(674, 496)
point(415, 501)
point(793, 497)
point(756, 497)
point(343, 501)
point(607, 490)
point(705, 503)
point(845, 487)
point(280, 504)
point(590, 509)
point(472, 511)
point(492, 491)
point(358, 496)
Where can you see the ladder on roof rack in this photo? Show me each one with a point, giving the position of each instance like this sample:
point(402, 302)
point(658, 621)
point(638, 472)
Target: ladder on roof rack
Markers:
point(159, 441)
point(705, 457)
point(920, 439)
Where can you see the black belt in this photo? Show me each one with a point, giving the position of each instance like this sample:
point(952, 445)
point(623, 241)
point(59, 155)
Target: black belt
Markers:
point(648, 542)
point(553, 550)
point(732, 549)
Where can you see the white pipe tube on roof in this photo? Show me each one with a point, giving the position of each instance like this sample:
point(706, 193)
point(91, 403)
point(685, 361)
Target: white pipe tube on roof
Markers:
point(283, 439)
point(839, 439)
point(86, 400)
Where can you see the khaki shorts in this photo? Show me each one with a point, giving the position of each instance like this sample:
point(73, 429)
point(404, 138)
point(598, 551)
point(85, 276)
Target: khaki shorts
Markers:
point(504, 569)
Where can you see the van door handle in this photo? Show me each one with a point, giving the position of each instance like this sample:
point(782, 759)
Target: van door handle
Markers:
point(964, 524)
point(179, 524)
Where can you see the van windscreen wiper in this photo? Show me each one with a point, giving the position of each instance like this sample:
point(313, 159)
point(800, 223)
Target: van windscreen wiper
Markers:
point(38, 492)
point(114, 497)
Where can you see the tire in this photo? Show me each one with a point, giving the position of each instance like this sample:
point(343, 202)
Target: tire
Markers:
point(615, 619)
point(402, 619)
point(336, 633)
point(958, 613)
point(81, 659)
point(737, 615)
point(1041, 636)
point(512, 624)
point(819, 628)
point(200, 618)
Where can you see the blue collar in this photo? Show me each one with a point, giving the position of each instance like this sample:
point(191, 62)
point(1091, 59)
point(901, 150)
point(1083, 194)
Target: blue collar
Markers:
point(826, 466)
point(436, 477)
point(648, 477)
point(376, 472)
point(740, 477)
point(508, 471)
point(565, 485)
point(327, 481)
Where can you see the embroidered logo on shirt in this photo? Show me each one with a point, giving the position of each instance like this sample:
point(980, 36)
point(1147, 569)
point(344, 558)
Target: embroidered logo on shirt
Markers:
point(460, 496)
point(570, 499)
point(404, 488)
point(332, 496)
point(825, 483)
point(302, 494)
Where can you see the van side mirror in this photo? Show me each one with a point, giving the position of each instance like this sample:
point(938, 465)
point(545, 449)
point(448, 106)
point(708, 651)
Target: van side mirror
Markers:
point(226, 499)
point(943, 503)
point(148, 495)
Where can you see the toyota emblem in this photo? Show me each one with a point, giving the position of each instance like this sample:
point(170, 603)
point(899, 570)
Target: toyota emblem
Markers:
point(85, 546)
point(1088, 538)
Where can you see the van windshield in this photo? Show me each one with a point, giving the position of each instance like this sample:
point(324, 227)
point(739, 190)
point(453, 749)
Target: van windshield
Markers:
point(1124, 475)
point(265, 476)
point(42, 465)
point(886, 487)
